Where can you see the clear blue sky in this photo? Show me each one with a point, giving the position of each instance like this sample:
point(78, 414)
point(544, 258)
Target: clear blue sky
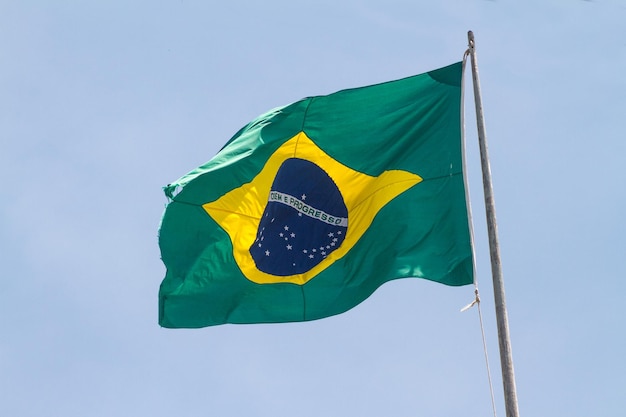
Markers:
point(102, 104)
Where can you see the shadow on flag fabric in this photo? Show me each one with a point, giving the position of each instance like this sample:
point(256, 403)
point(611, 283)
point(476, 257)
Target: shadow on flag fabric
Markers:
point(312, 206)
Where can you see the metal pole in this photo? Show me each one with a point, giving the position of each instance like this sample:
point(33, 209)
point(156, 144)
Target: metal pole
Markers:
point(506, 358)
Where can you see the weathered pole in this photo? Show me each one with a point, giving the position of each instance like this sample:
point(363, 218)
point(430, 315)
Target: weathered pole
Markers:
point(506, 357)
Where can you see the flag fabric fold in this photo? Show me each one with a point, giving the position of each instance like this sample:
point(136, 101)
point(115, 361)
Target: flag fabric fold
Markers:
point(312, 206)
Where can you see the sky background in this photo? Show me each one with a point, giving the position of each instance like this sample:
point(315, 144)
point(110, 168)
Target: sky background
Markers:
point(103, 103)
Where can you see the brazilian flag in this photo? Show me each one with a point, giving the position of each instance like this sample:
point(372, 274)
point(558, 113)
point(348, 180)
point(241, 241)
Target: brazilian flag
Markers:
point(312, 206)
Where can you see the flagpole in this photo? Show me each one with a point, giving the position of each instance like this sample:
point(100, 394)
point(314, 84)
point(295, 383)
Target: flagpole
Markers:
point(506, 357)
